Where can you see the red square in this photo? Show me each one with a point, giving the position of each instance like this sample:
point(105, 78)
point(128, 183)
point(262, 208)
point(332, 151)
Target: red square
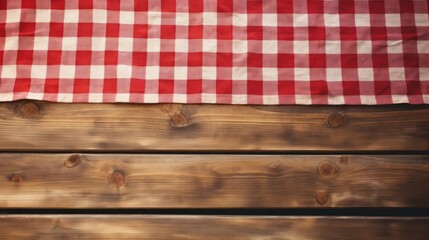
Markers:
point(376, 6)
point(254, 87)
point(285, 33)
point(196, 6)
point(166, 86)
point(168, 5)
point(111, 57)
point(382, 88)
point(22, 85)
point(316, 7)
point(137, 85)
point(54, 57)
point(195, 32)
point(224, 32)
point(84, 30)
point(52, 85)
point(349, 60)
point(115, 5)
point(83, 57)
point(351, 88)
point(139, 58)
point(224, 86)
point(285, 6)
point(317, 60)
point(319, 88)
point(254, 33)
point(224, 5)
point(110, 85)
point(167, 59)
point(348, 33)
point(140, 30)
point(194, 86)
point(317, 33)
point(168, 32)
point(195, 59)
point(85, 4)
point(286, 87)
point(56, 29)
point(24, 57)
point(254, 59)
point(31, 4)
point(254, 6)
point(411, 60)
point(112, 30)
point(379, 33)
point(140, 5)
point(27, 28)
point(58, 4)
point(2, 29)
point(380, 60)
point(349, 6)
point(285, 60)
point(224, 59)
point(81, 86)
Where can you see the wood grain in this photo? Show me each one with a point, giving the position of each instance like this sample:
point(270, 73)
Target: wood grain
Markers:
point(212, 181)
point(43, 126)
point(210, 227)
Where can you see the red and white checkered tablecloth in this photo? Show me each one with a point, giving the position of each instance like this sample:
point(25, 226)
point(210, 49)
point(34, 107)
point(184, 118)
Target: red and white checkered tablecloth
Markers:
point(215, 51)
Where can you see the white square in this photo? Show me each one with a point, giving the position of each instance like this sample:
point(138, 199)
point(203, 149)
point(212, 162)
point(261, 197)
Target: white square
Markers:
point(399, 99)
point(239, 19)
point(154, 18)
point(153, 45)
point(180, 73)
point(13, 15)
point(69, 43)
point(424, 74)
point(270, 100)
point(11, 43)
point(397, 74)
point(209, 73)
point(300, 47)
point(96, 72)
point(152, 72)
point(8, 71)
point(336, 100)
point(394, 46)
point(65, 97)
point(208, 98)
point(300, 20)
point(269, 20)
point(332, 20)
point(302, 99)
point(38, 71)
point(269, 46)
point(71, 16)
point(124, 71)
point(98, 44)
point(239, 99)
point(368, 100)
point(364, 47)
point(239, 46)
point(126, 17)
point(209, 18)
point(180, 98)
point(393, 19)
point(423, 46)
point(365, 74)
point(334, 75)
point(421, 19)
point(35, 96)
point(99, 16)
point(209, 45)
point(239, 73)
point(301, 74)
point(43, 15)
point(362, 20)
point(41, 43)
point(125, 44)
point(150, 98)
point(122, 97)
point(181, 45)
point(182, 19)
point(6, 97)
point(333, 47)
point(95, 97)
point(67, 71)
point(270, 74)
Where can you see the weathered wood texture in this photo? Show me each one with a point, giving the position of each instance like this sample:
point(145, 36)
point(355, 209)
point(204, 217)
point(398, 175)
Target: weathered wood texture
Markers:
point(38, 126)
point(210, 227)
point(212, 181)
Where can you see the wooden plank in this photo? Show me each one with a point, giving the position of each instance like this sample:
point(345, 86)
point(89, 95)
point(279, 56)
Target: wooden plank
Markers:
point(210, 227)
point(212, 181)
point(43, 126)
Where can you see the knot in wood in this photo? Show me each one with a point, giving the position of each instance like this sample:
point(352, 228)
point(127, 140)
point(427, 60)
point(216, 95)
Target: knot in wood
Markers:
point(327, 170)
point(179, 120)
point(116, 178)
point(16, 178)
point(335, 120)
point(322, 197)
point(29, 110)
point(72, 161)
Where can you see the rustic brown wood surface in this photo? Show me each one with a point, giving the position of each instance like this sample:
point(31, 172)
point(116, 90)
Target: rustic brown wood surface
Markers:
point(42, 126)
point(210, 227)
point(212, 181)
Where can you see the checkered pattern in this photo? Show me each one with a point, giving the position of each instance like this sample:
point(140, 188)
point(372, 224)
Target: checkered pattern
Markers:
point(215, 51)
